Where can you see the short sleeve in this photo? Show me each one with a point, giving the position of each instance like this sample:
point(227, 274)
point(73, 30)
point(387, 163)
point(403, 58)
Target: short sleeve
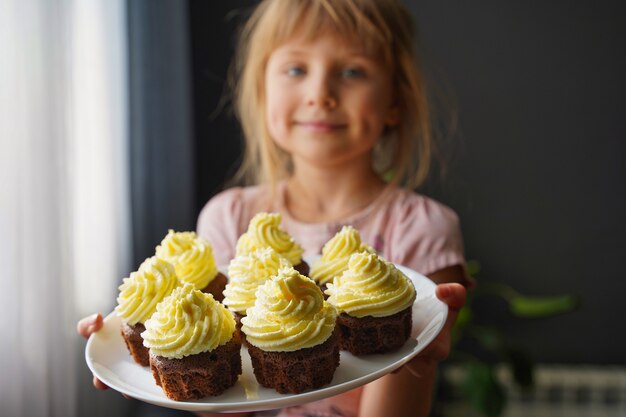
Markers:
point(426, 235)
point(220, 223)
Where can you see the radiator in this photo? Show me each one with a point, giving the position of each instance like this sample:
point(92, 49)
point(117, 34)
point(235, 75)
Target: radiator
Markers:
point(559, 391)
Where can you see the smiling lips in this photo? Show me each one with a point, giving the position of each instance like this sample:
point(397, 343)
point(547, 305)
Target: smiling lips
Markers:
point(321, 126)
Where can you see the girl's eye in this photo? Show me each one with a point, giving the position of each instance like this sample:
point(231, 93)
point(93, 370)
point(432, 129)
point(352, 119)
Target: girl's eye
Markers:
point(353, 73)
point(295, 71)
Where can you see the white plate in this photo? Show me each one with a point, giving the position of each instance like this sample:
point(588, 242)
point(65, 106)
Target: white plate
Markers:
point(109, 360)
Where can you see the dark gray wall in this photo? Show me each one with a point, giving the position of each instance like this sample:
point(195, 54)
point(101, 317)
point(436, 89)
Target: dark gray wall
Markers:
point(539, 168)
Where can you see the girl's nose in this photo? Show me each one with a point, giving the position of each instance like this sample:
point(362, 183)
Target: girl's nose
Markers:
point(321, 94)
point(328, 102)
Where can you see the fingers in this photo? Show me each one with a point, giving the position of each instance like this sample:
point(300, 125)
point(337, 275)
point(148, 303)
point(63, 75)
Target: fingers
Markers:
point(99, 384)
point(85, 327)
point(89, 325)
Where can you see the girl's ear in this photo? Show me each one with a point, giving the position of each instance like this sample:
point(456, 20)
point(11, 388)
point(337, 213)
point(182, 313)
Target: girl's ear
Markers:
point(393, 116)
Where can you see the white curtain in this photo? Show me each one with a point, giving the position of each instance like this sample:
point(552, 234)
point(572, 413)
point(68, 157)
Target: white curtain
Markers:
point(64, 217)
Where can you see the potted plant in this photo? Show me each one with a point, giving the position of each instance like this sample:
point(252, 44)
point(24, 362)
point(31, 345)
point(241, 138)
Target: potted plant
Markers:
point(488, 345)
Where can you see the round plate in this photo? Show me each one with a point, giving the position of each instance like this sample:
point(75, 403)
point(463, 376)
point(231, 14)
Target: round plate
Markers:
point(109, 360)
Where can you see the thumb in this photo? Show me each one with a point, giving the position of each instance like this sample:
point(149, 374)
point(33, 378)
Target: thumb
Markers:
point(453, 295)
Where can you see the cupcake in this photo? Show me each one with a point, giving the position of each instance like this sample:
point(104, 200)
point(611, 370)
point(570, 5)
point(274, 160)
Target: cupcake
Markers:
point(264, 230)
point(335, 255)
point(292, 338)
point(245, 274)
point(139, 295)
point(375, 303)
point(192, 257)
point(192, 351)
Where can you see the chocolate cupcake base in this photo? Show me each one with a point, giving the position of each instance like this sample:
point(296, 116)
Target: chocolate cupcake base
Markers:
point(367, 335)
point(198, 376)
point(216, 287)
point(238, 333)
point(134, 342)
point(302, 268)
point(294, 372)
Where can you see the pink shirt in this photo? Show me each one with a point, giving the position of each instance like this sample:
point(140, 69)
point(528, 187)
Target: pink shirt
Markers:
point(404, 227)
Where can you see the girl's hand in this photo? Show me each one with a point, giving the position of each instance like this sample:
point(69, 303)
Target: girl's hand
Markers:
point(426, 362)
point(85, 328)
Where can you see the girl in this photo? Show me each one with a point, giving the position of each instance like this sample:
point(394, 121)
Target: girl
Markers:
point(332, 103)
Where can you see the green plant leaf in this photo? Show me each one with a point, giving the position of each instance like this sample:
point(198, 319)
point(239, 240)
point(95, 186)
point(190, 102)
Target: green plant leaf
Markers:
point(473, 267)
point(462, 321)
point(536, 307)
point(488, 337)
point(483, 390)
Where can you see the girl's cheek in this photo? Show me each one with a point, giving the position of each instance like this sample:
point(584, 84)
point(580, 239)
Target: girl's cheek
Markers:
point(270, 121)
point(275, 124)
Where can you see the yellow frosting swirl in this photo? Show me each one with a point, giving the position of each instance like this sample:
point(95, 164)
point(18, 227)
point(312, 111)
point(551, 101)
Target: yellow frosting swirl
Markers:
point(191, 255)
point(186, 323)
point(144, 289)
point(336, 253)
point(246, 273)
point(263, 231)
point(289, 314)
point(371, 286)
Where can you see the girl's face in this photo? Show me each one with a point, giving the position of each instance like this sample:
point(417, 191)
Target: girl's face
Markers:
point(327, 100)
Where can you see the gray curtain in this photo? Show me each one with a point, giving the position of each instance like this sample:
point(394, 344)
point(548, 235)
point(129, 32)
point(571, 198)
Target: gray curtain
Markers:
point(161, 122)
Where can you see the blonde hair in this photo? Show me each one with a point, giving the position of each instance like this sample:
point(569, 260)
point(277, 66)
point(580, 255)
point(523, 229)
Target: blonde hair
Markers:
point(383, 27)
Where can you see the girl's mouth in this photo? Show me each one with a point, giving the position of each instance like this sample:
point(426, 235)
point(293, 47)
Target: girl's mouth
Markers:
point(321, 126)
